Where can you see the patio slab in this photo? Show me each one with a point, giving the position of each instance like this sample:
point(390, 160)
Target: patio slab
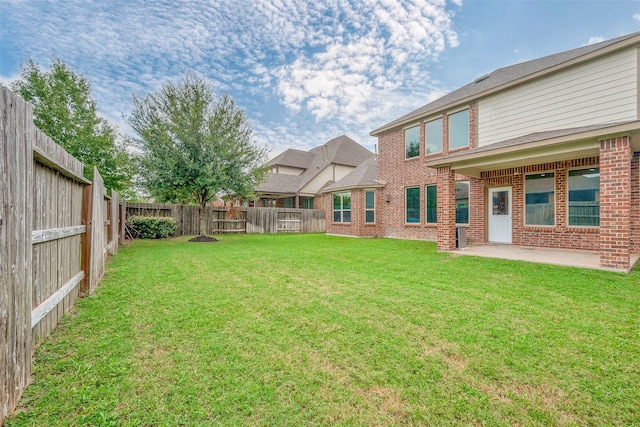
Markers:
point(568, 257)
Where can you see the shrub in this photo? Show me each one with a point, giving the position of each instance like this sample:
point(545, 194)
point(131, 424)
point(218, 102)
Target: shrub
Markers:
point(152, 227)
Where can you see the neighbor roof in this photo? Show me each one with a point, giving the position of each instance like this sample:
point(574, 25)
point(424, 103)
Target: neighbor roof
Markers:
point(340, 151)
point(511, 75)
point(294, 158)
point(365, 175)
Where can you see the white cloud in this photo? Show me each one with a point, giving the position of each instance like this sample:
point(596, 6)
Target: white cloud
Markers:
point(595, 39)
point(337, 66)
point(636, 16)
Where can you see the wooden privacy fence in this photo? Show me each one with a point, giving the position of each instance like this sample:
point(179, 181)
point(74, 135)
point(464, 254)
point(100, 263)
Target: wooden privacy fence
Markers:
point(56, 229)
point(234, 220)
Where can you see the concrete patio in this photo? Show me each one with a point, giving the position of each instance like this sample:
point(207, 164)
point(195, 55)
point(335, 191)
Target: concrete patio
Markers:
point(568, 257)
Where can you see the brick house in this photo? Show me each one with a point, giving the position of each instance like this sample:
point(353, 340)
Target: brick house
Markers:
point(297, 177)
point(352, 205)
point(543, 153)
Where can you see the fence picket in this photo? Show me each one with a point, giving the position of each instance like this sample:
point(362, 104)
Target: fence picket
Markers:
point(46, 240)
point(234, 220)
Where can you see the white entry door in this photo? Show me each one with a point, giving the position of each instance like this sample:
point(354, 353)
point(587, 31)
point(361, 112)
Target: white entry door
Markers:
point(500, 215)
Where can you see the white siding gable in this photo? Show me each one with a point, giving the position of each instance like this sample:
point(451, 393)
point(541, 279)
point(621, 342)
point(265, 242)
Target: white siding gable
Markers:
point(601, 91)
point(288, 170)
point(331, 173)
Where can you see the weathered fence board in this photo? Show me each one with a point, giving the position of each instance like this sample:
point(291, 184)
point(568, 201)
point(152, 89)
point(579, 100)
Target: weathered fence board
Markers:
point(16, 194)
point(46, 239)
point(41, 236)
point(234, 220)
point(98, 232)
point(114, 218)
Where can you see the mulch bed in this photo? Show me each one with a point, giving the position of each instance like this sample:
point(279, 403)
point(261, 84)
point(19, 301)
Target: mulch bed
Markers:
point(203, 239)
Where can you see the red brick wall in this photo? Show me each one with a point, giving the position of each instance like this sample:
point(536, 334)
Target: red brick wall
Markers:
point(477, 211)
point(635, 203)
point(357, 227)
point(400, 173)
point(446, 209)
point(558, 236)
point(615, 202)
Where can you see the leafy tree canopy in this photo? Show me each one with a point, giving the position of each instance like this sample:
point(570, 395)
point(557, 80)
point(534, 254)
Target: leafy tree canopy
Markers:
point(64, 109)
point(195, 146)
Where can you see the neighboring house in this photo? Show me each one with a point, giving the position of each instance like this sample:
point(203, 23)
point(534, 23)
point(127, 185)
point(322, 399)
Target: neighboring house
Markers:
point(297, 177)
point(351, 209)
point(543, 153)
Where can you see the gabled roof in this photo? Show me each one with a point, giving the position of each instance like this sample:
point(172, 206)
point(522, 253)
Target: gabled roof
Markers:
point(294, 158)
point(339, 151)
point(505, 77)
point(280, 183)
point(364, 176)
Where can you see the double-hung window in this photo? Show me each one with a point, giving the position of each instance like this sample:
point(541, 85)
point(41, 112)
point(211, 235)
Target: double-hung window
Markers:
point(342, 207)
point(433, 136)
point(459, 129)
point(584, 197)
point(431, 195)
point(412, 142)
point(412, 205)
point(369, 206)
point(539, 195)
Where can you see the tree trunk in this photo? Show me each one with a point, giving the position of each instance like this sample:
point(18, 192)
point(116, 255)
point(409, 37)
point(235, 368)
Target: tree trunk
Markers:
point(203, 222)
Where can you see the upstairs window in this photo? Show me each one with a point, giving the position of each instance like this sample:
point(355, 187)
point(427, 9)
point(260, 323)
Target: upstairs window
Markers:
point(433, 136)
point(342, 207)
point(369, 207)
point(459, 129)
point(584, 197)
point(412, 142)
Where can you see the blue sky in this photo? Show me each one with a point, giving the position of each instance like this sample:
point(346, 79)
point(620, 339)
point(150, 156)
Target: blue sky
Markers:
point(304, 71)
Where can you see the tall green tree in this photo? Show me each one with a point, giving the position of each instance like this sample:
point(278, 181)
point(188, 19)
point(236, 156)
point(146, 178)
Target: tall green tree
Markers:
point(195, 146)
point(64, 109)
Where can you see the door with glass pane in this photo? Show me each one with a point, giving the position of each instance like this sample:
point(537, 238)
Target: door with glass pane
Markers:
point(500, 215)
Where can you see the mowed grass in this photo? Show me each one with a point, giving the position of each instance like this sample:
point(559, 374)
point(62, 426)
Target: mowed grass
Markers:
point(320, 330)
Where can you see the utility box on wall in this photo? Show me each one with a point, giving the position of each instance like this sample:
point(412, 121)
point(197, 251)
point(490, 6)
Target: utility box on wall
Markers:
point(461, 237)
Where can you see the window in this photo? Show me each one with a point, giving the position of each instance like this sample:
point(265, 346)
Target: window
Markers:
point(433, 136)
point(412, 142)
point(288, 203)
point(369, 206)
point(412, 203)
point(431, 204)
point(584, 197)
point(459, 129)
point(342, 207)
point(307, 203)
point(539, 194)
point(462, 203)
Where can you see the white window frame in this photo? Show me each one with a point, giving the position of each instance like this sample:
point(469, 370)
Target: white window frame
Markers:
point(449, 115)
point(555, 199)
point(373, 209)
point(405, 142)
point(568, 201)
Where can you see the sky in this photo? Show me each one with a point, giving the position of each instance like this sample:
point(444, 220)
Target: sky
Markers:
point(304, 71)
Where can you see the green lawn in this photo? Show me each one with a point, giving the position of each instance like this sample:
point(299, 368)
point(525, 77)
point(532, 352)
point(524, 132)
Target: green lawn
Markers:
point(316, 330)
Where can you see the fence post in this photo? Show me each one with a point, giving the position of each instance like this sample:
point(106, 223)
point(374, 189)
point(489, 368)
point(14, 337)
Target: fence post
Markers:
point(123, 220)
point(87, 212)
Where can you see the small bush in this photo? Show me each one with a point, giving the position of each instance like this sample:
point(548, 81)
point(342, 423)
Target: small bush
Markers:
point(152, 227)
